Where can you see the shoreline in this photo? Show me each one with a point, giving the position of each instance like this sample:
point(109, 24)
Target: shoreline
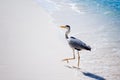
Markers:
point(32, 48)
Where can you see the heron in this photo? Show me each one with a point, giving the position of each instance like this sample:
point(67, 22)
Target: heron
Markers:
point(75, 44)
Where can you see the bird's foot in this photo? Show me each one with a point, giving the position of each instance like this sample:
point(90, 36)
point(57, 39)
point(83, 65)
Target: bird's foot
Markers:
point(75, 67)
point(66, 60)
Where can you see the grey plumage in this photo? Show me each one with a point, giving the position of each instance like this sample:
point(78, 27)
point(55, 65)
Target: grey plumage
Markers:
point(75, 44)
point(78, 44)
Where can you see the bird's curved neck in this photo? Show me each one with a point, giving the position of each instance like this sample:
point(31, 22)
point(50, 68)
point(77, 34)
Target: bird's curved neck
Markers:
point(67, 32)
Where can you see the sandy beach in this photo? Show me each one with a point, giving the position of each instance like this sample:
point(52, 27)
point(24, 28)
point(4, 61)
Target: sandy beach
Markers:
point(32, 48)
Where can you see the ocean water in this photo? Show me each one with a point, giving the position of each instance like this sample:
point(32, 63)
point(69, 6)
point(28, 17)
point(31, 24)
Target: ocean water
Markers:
point(97, 22)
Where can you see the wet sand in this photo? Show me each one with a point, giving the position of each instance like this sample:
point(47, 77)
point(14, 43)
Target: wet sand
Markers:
point(32, 48)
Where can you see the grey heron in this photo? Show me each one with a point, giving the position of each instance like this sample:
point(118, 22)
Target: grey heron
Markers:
point(75, 44)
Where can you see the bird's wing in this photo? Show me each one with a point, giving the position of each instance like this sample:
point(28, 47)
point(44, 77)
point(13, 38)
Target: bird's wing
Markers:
point(78, 44)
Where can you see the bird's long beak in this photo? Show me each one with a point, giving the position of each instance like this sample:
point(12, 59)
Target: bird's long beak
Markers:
point(62, 26)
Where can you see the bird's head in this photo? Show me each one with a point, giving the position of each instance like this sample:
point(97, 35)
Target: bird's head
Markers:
point(68, 30)
point(66, 27)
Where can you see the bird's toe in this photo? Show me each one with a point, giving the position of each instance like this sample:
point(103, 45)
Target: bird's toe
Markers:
point(66, 60)
point(75, 67)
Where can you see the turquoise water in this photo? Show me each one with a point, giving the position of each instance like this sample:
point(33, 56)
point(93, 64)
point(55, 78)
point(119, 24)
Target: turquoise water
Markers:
point(95, 21)
point(109, 7)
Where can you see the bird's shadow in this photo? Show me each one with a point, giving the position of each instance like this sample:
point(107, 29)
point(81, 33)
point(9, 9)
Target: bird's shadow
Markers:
point(94, 76)
point(88, 74)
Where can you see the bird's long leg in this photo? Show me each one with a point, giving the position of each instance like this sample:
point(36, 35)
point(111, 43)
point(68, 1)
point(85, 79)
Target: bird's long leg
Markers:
point(78, 59)
point(67, 59)
point(78, 64)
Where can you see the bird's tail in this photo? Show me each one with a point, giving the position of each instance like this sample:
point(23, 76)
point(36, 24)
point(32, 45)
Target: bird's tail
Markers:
point(88, 48)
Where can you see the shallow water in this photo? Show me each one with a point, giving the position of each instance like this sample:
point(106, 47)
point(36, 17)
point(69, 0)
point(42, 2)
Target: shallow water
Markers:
point(96, 22)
